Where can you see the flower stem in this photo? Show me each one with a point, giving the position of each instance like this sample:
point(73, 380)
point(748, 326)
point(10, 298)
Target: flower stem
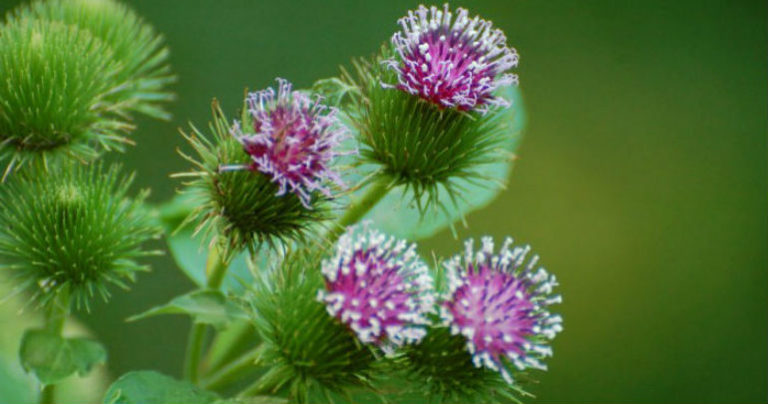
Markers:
point(358, 208)
point(238, 367)
point(54, 323)
point(215, 269)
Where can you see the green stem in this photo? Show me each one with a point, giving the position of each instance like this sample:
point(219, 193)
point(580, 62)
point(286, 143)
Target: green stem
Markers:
point(269, 383)
point(54, 323)
point(358, 208)
point(47, 395)
point(215, 269)
point(227, 344)
point(233, 370)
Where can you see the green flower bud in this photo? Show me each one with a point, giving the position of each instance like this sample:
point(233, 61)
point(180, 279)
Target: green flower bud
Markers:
point(311, 354)
point(54, 84)
point(72, 230)
point(418, 143)
point(244, 205)
point(143, 71)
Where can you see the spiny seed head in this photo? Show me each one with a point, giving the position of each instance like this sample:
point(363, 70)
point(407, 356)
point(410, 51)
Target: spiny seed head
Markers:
point(378, 286)
point(292, 139)
point(418, 143)
point(55, 81)
point(452, 62)
point(500, 305)
point(310, 351)
point(143, 69)
point(73, 229)
point(242, 204)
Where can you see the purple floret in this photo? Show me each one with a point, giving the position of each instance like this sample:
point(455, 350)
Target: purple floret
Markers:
point(378, 287)
point(292, 139)
point(501, 307)
point(454, 63)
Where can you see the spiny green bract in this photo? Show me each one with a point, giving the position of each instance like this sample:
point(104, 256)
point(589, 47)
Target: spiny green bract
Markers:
point(242, 205)
point(441, 368)
point(143, 59)
point(72, 229)
point(311, 354)
point(54, 84)
point(418, 143)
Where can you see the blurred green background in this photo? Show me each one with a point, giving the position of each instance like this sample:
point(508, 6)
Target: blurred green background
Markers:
point(641, 180)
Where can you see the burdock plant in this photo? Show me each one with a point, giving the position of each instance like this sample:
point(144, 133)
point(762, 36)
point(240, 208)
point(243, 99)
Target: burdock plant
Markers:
point(295, 300)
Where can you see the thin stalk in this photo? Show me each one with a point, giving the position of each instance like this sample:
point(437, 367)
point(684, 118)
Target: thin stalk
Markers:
point(269, 383)
point(54, 323)
point(358, 208)
point(215, 269)
point(233, 370)
point(228, 343)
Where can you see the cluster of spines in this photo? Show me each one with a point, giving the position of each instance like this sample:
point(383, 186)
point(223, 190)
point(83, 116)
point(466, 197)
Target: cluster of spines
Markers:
point(74, 230)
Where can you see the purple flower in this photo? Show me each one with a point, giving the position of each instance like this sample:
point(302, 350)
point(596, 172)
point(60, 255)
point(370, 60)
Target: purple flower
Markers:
point(292, 139)
point(501, 307)
point(378, 287)
point(452, 62)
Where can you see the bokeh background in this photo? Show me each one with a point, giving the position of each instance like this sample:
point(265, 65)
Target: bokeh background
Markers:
point(641, 179)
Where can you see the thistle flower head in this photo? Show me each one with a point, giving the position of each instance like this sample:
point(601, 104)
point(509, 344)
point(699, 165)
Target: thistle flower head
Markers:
point(72, 229)
point(500, 305)
point(452, 62)
point(143, 70)
point(292, 139)
point(242, 204)
point(378, 287)
point(54, 81)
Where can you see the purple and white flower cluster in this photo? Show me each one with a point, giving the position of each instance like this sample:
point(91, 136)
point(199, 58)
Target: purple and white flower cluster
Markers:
point(500, 305)
point(452, 62)
point(378, 287)
point(292, 139)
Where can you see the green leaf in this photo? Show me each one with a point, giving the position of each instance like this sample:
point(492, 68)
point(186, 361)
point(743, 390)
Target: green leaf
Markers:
point(395, 217)
point(150, 387)
point(205, 306)
point(52, 357)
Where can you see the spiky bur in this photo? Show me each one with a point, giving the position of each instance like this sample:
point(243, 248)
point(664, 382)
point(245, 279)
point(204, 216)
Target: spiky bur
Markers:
point(72, 230)
point(452, 62)
point(143, 68)
point(55, 81)
point(238, 200)
point(500, 305)
point(311, 355)
point(378, 287)
point(433, 134)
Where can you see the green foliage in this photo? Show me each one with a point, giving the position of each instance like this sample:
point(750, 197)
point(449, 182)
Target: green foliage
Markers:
point(143, 69)
point(309, 353)
point(53, 358)
point(144, 387)
point(55, 82)
point(441, 368)
point(243, 205)
point(419, 144)
point(204, 306)
point(72, 229)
